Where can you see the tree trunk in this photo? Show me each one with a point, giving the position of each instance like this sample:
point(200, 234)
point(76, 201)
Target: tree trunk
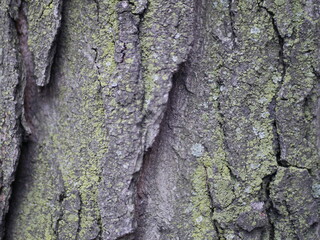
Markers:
point(162, 119)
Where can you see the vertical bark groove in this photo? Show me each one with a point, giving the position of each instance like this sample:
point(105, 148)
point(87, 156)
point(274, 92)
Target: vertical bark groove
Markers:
point(270, 210)
point(30, 87)
point(212, 209)
point(33, 98)
point(79, 217)
point(22, 174)
point(149, 159)
point(232, 21)
point(30, 93)
point(177, 124)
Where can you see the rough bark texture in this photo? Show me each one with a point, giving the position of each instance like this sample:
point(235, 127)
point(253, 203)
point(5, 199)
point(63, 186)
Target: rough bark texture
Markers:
point(159, 119)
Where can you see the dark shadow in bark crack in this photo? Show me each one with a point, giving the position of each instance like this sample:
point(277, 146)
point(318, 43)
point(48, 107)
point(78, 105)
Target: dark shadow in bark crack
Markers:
point(151, 156)
point(34, 98)
point(22, 179)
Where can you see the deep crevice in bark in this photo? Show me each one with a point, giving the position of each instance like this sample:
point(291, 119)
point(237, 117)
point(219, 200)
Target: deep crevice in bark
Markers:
point(47, 93)
point(269, 208)
point(30, 93)
point(276, 136)
point(79, 216)
point(62, 196)
point(30, 87)
point(273, 103)
point(151, 155)
point(317, 74)
point(281, 41)
point(99, 222)
point(33, 95)
point(53, 48)
point(22, 175)
point(267, 180)
point(141, 197)
point(221, 124)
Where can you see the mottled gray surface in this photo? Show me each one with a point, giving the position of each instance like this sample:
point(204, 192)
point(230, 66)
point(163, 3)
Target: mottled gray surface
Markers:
point(188, 119)
point(10, 108)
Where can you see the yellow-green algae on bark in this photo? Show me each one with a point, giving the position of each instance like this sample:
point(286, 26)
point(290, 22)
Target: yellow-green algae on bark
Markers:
point(60, 201)
point(173, 119)
point(241, 35)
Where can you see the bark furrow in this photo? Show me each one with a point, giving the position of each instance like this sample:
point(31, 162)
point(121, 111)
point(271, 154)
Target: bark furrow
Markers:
point(162, 119)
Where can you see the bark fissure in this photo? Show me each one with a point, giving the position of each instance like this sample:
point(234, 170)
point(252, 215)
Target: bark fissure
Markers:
point(53, 48)
point(127, 56)
point(276, 136)
point(141, 15)
point(96, 65)
point(273, 103)
point(22, 173)
point(62, 197)
point(30, 91)
point(99, 221)
point(270, 210)
point(48, 89)
point(30, 87)
point(98, 10)
point(154, 109)
point(33, 96)
point(281, 42)
point(221, 124)
point(214, 222)
point(317, 74)
point(151, 156)
point(79, 213)
point(232, 23)
point(141, 196)
point(46, 93)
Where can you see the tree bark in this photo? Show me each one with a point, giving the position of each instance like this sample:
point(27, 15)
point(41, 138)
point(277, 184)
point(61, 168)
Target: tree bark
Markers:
point(162, 119)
